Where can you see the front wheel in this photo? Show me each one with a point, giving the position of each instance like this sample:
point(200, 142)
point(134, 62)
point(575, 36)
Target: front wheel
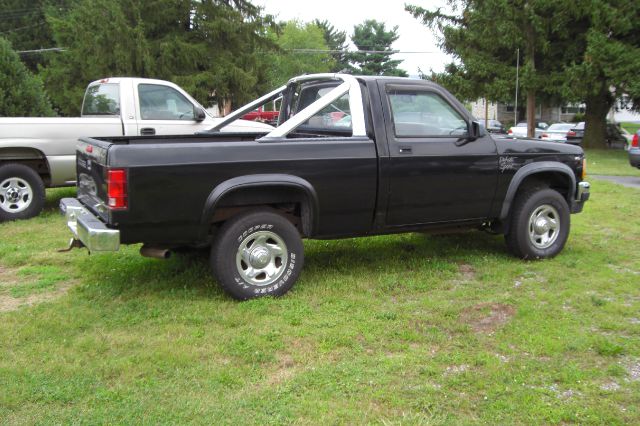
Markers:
point(539, 225)
point(257, 254)
point(22, 192)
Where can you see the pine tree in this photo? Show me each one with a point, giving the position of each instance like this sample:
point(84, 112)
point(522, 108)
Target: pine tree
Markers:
point(370, 36)
point(336, 42)
point(21, 93)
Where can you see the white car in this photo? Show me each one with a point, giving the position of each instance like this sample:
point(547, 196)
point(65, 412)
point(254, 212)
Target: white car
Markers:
point(520, 130)
point(39, 152)
point(557, 132)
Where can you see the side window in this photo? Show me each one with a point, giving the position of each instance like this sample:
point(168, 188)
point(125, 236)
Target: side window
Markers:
point(102, 99)
point(163, 103)
point(424, 114)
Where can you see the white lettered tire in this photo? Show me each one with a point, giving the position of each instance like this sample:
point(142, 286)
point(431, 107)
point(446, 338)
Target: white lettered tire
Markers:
point(257, 254)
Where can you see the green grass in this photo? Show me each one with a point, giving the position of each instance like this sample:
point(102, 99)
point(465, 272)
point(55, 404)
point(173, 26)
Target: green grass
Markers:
point(631, 127)
point(404, 329)
point(612, 162)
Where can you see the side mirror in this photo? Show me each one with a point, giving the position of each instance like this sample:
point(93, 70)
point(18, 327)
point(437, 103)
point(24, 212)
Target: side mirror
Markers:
point(200, 114)
point(476, 131)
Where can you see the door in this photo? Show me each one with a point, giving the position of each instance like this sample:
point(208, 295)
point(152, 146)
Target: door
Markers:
point(435, 173)
point(165, 111)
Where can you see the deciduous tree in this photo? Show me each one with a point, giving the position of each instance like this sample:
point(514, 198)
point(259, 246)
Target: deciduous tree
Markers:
point(301, 47)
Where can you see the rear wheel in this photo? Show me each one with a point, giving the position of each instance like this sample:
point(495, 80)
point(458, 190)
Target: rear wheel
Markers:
point(257, 254)
point(539, 225)
point(22, 192)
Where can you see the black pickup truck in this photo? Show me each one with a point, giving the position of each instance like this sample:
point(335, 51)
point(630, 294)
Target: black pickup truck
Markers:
point(351, 156)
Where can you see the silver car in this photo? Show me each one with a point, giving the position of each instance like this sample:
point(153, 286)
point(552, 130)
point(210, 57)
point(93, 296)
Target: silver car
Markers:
point(557, 132)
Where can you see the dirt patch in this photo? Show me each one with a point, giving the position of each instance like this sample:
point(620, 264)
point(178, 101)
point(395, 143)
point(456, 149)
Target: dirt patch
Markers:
point(285, 369)
point(467, 272)
point(633, 369)
point(487, 317)
point(8, 276)
point(294, 359)
point(9, 303)
point(456, 369)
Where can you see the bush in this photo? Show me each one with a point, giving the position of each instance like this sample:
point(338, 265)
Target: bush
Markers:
point(578, 117)
point(21, 92)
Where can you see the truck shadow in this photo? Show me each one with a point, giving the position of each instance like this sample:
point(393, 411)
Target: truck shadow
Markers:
point(188, 275)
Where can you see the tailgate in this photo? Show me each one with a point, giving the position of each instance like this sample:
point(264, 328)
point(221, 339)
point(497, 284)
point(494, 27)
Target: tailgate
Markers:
point(91, 161)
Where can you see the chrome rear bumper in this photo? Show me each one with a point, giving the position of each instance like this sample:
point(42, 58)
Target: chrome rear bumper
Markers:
point(87, 228)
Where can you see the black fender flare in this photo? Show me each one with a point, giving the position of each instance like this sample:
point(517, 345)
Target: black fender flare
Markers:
point(532, 169)
point(258, 180)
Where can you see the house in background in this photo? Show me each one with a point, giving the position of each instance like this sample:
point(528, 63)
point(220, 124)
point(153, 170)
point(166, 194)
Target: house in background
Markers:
point(504, 113)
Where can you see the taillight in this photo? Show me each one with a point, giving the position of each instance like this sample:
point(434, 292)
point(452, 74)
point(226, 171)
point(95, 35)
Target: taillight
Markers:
point(634, 141)
point(510, 132)
point(571, 133)
point(584, 169)
point(117, 188)
point(545, 135)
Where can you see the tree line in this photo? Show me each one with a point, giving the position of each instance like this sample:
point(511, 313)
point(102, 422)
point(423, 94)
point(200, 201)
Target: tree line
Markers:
point(228, 51)
point(582, 51)
point(220, 51)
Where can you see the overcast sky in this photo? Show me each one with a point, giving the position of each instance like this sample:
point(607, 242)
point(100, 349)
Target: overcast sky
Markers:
point(345, 14)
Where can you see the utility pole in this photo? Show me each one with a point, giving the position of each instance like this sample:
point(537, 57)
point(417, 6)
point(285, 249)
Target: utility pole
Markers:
point(515, 111)
point(486, 113)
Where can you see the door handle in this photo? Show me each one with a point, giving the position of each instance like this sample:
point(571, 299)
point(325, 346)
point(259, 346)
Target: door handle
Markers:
point(147, 131)
point(405, 150)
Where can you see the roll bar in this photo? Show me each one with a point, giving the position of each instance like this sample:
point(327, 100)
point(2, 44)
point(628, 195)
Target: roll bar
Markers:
point(349, 85)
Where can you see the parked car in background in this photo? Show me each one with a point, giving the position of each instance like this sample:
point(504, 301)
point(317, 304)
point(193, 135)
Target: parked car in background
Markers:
point(39, 152)
point(628, 136)
point(634, 150)
point(520, 130)
point(614, 137)
point(557, 132)
point(263, 116)
point(576, 133)
point(494, 126)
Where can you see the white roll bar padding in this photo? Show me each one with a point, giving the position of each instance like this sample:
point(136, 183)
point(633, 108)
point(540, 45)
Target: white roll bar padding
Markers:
point(350, 85)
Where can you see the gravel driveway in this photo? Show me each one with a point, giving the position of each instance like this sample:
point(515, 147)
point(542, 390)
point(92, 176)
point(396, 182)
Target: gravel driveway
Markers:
point(630, 181)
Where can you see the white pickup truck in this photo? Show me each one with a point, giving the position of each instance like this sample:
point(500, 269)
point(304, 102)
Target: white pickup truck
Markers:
point(39, 152)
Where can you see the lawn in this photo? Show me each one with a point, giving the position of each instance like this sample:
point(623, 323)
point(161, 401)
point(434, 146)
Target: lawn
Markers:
point(631, 127)
point(406, 329)
point(613, 162)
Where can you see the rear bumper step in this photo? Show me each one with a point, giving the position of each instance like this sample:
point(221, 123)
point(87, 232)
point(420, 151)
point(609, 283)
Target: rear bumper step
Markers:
point(87, 228)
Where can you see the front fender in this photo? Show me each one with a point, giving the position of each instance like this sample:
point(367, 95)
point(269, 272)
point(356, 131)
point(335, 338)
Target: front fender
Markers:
point(532, 169)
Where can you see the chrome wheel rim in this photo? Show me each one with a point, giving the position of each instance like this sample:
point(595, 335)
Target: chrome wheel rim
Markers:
point(544, 226)
point(262, 258)
point(15, 195)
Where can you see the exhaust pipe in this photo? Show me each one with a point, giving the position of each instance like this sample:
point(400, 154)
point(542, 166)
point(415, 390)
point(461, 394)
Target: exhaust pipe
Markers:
point(156, 253)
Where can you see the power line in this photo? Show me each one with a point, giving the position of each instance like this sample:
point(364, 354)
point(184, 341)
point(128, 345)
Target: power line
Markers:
point(391, 52)
point(50, 49)
point(23, 28)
